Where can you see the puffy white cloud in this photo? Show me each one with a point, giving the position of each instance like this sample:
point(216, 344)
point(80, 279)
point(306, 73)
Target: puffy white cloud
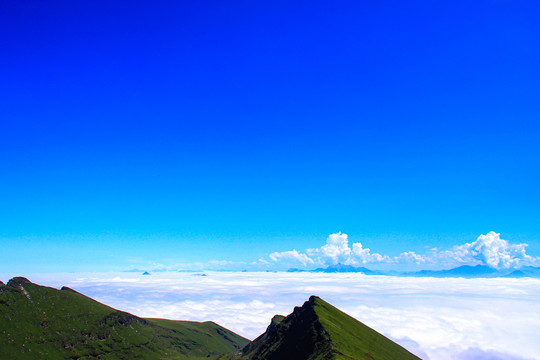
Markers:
point(291, 256)
point(438, 319)
point(410, 257)
point(363, 255)
point(488, 249)
point(335, 251)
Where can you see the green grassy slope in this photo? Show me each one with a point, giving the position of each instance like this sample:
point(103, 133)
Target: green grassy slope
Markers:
point(206, 338)
point(38, 322)
point(351, 339)
point(319, 331)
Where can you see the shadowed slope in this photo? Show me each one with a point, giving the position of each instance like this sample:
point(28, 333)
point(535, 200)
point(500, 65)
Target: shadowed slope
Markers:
point(318, 331)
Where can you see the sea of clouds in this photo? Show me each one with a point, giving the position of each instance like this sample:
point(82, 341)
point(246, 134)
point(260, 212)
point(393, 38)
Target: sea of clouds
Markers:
point(437, 319)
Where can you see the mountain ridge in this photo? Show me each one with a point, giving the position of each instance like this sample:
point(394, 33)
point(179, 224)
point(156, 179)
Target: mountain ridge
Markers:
point(320, 331)
point(465, 271)
point(39, 322)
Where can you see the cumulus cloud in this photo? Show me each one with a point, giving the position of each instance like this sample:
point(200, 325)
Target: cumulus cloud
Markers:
point(488, 250)
point(288, 256)
point(410, 257)
point(364, 256)
point(437, 319)
point(335, 251)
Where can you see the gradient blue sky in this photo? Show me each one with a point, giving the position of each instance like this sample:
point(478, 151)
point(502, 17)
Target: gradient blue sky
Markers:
point(135, 132)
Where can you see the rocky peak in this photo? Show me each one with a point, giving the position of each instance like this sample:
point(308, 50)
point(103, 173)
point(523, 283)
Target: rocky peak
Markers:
point(18, 281)
point(297, 336)
point(65, 288)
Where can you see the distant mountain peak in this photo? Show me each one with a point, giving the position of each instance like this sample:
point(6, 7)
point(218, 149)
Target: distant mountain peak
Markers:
point(340, 268)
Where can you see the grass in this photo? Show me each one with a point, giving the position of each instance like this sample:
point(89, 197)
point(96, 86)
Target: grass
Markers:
point(38, 322)
point(351, 339)
point(206, 338)
point(319, 331)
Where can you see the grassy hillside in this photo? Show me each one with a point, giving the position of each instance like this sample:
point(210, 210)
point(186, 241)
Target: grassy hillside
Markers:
point(206, 338)
point(319, 331)
point(351, 339)
point(38, 322)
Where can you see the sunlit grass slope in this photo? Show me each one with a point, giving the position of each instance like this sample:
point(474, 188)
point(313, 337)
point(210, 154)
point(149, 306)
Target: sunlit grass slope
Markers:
point(38, 322)
point(319, 331)
point(351, 339)
point(207, 338)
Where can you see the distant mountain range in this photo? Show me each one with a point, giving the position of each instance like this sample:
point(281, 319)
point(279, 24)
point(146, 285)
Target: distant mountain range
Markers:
point(481, 271)
point(38, 322)
point(465, 271)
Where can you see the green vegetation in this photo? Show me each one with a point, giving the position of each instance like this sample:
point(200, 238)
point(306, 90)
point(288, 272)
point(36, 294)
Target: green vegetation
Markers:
point(319, 331)
point(208, 338)
point(353, 340)
point(38, 322)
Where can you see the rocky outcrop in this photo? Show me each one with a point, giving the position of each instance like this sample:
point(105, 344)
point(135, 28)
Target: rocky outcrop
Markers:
point(123, 318)
point(299, 336)
point(18, 281)
point(65, 288)
point(320, 331)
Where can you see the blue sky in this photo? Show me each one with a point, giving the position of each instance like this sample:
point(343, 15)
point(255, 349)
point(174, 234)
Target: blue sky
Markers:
point(180, 132)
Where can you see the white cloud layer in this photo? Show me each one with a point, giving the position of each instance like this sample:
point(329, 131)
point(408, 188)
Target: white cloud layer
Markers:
point(438, 319)
point(488, 249)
